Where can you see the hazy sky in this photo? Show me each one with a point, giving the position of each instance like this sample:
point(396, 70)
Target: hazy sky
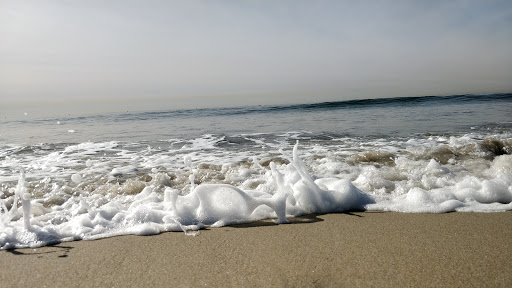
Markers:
point(223, 53)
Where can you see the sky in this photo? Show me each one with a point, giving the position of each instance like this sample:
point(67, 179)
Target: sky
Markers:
point(187, 54)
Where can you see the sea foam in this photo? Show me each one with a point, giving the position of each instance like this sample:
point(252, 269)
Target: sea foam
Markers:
point(97, 190)
point(151, 212)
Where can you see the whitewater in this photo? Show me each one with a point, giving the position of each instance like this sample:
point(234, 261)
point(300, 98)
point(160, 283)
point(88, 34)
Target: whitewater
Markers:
point(93, 176)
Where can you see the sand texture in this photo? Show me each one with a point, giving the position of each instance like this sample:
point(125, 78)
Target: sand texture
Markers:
point(367, 249)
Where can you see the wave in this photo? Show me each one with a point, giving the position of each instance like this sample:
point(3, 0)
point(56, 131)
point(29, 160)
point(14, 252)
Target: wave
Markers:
point(349, 104)
point(395, 102)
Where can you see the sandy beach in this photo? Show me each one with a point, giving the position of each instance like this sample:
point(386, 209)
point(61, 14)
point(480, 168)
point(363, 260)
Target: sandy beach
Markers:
point(367, 249)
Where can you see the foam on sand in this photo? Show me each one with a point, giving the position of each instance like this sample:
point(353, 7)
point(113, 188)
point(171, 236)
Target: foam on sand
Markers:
point(204, 195)
point(150, 212)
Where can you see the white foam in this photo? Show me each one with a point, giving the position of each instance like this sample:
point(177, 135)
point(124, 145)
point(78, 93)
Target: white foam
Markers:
point(76, 178)
point(206, 205)
point(95, 190)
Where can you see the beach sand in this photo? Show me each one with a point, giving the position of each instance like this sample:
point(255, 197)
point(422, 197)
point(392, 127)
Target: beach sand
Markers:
point(367, 249)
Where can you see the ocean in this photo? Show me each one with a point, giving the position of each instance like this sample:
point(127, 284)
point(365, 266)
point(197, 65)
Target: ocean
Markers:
point(88, 176)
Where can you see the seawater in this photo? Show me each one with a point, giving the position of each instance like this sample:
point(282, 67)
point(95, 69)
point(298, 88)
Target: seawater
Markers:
point(80, 177)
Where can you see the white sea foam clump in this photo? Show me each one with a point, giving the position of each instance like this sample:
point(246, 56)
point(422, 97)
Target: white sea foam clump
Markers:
point(468, 194)
point(150, 212)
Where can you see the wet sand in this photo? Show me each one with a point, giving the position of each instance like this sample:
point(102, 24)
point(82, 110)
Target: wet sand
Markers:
point(367, 249)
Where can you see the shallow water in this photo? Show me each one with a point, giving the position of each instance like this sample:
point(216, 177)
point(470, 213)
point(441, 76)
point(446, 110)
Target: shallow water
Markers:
point(88, 177)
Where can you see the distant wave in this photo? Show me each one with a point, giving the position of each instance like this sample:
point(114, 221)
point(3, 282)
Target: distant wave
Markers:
point(395, 101)
point(349, 104)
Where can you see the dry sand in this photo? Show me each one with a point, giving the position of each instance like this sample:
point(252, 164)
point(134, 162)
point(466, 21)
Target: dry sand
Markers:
point(366, 249)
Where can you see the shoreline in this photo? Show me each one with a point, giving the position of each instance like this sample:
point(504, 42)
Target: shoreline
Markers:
point(360, 249)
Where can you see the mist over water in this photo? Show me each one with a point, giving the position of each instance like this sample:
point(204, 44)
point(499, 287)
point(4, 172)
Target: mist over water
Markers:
point(93, 176)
